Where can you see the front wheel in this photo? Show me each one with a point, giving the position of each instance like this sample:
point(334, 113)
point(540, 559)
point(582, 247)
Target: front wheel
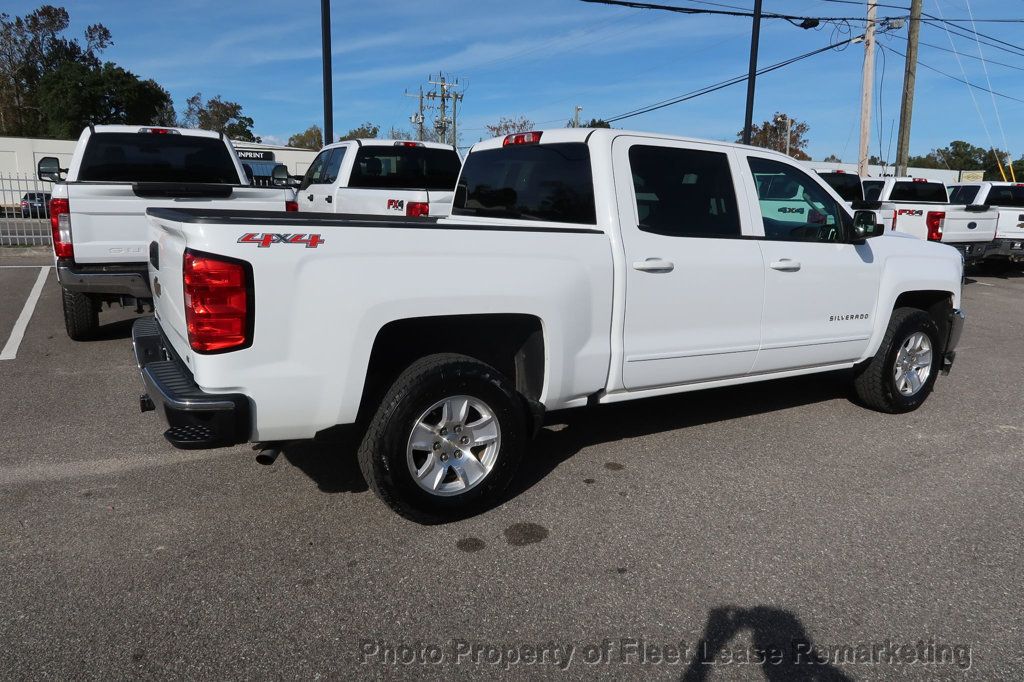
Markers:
point(446, 440)
point(903, 371)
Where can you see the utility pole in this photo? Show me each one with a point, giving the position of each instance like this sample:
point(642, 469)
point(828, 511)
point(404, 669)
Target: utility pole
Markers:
point(445, 91)
point(909, 75)
point(755, 34)
point(576, 116)
point(417, 118)
point(867, 83)
point(789, 132)
point(325, 31)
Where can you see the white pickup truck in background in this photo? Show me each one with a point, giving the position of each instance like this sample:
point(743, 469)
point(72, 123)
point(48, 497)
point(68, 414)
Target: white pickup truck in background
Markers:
point(578, 267)
point(98, 210)
point(922, 208)
point(1007, 198)
point(381, 177)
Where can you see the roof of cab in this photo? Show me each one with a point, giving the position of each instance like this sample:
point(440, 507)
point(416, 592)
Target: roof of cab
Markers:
point(606, 135)
point(111, 128)
point(375, 142)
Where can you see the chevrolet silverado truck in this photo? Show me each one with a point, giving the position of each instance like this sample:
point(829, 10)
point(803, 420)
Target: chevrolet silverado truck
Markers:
point(381, 177)
point(97, 210)
point(1007, 198)
point(922, 208)
point(578, 267)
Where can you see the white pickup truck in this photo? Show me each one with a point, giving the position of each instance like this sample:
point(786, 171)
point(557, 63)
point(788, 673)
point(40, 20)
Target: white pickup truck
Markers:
point(1007, 198)
point(578, 267)
point(381, 177)
point(98, 210)
point(922, 208)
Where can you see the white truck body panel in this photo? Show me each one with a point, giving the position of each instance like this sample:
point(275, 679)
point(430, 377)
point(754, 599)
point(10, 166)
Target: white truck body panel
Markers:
point(617, 322)
point(337, 195)
point(960, 224)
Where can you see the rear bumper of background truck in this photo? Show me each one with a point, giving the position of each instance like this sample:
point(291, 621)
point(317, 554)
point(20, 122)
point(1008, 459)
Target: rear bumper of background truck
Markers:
point(195, 419)
point(1012, 249)
point(130, 279)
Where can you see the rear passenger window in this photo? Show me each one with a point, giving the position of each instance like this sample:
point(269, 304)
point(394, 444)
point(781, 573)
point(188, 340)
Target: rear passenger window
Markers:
point(964, 194)
point(1006, 197)
point(333, 165)
point(684, 192)
point(919, 192)
point(315, 173)
point(794, 207)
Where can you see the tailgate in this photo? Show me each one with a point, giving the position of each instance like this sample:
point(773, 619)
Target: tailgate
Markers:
point(108, 221)
point(1011, 223)
point(390, 202)
point(964, 225)
point(165, 278)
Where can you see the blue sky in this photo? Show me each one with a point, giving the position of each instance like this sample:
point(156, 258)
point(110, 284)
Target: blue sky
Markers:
point(538, 58)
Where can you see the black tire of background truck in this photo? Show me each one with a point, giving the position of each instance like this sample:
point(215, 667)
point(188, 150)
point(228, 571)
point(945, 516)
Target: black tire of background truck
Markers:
point(382, 454)
point(81, 315)
point(875, 384)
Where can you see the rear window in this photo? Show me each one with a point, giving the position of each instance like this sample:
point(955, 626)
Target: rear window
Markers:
point(401, 167)
point(964, 194)
point(872, 189)
point(146, 157)
point(846, 185)
point(1012, 197)
point(919, 192)
point(533, 182)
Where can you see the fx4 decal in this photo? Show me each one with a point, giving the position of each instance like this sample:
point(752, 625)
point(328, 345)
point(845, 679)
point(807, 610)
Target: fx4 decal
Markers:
point(396, 204)
point(909, 211)
point(790, 209)
point(263, 240)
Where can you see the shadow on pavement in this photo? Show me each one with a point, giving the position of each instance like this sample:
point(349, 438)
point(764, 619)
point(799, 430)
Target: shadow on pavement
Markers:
point(779, 643)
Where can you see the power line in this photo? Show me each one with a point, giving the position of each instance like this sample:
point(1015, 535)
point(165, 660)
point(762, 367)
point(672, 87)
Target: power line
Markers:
point(943, 73)
point(972, 56)
point(938, 22)
point(727, 12)
point(726, 83)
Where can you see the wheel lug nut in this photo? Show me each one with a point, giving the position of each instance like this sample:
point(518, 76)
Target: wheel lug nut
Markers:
point(437, 445)
point(464, 440)
point(444, 431)
point(458, 429)
point(444, 458)
point(458, 454)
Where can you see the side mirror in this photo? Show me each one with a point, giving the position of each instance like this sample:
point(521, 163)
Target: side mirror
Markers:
point(49, 169)
point(279, 176)
point(248, 172)
point(866, 225)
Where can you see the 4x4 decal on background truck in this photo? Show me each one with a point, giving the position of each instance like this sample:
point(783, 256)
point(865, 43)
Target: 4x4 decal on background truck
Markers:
point(263, 240)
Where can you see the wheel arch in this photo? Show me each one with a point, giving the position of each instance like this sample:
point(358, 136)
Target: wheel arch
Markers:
point(938, 303)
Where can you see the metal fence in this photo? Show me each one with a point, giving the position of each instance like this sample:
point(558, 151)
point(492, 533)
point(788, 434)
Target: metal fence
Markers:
point(24, 211)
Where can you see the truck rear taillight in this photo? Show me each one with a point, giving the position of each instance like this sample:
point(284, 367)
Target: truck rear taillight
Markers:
point(60, 225)
point(934, 222)
point(291, 206)
point(532, 137)
point(218, 302)
point(417, 209)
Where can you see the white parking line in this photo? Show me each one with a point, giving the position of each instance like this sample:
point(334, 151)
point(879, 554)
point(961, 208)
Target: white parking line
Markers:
point(10, 350)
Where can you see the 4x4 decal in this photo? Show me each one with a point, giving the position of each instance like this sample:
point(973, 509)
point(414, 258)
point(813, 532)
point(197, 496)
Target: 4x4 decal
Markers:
point(263, 240)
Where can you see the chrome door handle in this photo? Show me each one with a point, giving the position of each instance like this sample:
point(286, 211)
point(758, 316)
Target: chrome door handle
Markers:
point(785, 265)
point(654, 265)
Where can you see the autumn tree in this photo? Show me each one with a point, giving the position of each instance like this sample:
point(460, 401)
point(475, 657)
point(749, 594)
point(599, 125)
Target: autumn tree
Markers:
point(311, 138)
point(772, 135)
point(507, 126)
point(220, 116)
point(366, 131)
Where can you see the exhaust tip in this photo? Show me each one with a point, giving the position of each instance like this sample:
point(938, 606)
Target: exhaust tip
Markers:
point(268, 456)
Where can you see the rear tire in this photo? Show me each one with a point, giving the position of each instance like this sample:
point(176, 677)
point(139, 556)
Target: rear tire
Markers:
point(444, 407)
point(81, 315)
point(889, 381)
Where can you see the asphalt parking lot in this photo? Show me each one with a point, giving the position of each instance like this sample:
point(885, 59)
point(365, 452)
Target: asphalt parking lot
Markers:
point(675, 537)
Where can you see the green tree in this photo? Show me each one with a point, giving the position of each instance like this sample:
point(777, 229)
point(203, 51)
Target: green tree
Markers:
point(219, 115)
point(772, 135)
point(398, 134)
point(366, 131)
point(73, 95)
point(31, 47)
point(832, 158)
point(311, 138)
point(507, 126)
point(592, 123)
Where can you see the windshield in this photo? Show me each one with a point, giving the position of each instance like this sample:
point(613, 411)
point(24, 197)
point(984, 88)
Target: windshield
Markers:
point(146, 157)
